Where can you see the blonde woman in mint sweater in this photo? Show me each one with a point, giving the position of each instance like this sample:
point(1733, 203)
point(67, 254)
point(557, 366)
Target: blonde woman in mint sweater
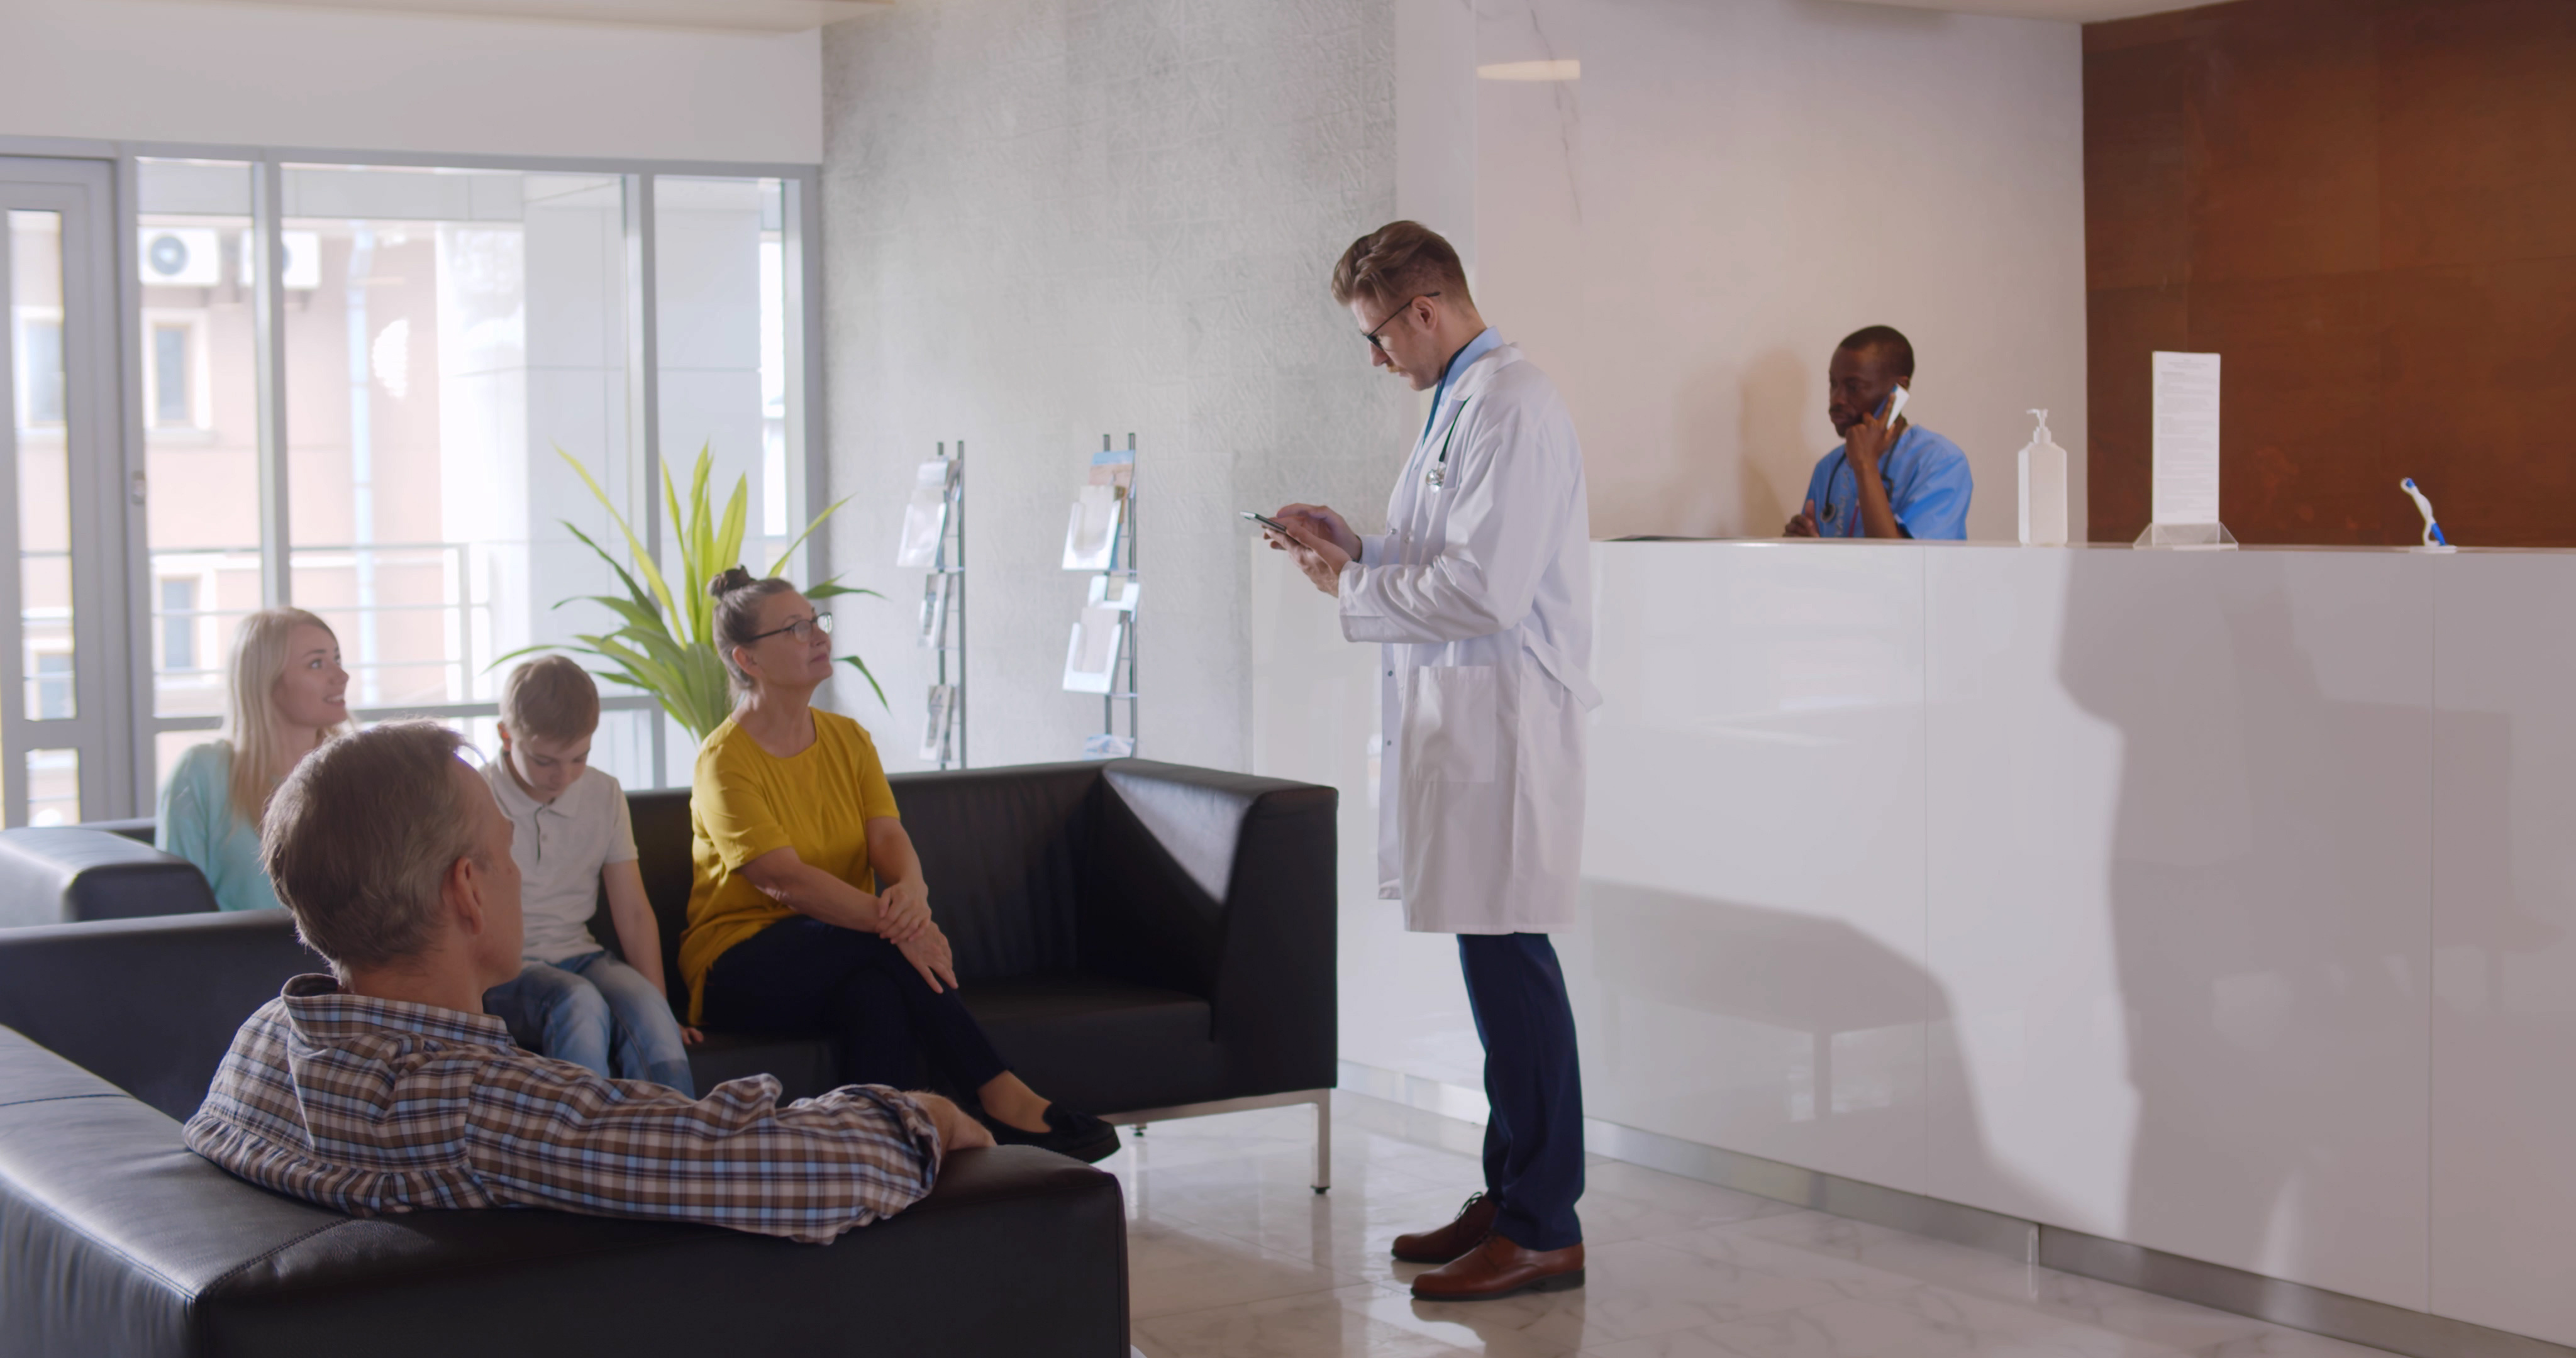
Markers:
point(287, 695)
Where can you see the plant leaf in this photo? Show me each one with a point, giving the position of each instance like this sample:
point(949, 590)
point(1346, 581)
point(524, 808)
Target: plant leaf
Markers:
point(636, 615)
point(633, 590)
point(781, 563)
point(726, 548)
point(643, 559)
point(862, 667)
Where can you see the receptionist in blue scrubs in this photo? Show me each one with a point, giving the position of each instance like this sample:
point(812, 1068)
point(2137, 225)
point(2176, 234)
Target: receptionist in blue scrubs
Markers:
point(1889, 479)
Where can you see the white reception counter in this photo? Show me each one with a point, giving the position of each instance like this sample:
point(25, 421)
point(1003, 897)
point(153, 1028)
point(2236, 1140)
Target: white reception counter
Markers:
point(2216, 903)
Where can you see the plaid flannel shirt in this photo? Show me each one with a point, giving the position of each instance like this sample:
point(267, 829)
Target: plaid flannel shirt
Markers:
point(373, 1106)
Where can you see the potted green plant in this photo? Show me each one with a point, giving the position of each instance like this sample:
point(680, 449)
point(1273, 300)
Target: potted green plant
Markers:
point(666, 645)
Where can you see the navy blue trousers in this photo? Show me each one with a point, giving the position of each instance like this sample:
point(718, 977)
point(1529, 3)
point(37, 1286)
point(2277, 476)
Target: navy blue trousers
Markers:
point(1534, 1134)
point(800, 977)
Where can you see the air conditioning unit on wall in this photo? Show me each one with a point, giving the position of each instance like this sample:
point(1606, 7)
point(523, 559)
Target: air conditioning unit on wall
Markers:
point(303, 260)
point(182, 257)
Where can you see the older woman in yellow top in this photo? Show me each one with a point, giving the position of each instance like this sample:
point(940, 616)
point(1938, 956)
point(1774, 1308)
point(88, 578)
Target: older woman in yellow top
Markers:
point(808, 912)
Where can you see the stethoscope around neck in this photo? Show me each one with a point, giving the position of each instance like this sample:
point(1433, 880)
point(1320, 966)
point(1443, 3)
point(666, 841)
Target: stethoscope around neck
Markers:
point(1438, 476)
point(1842, 463)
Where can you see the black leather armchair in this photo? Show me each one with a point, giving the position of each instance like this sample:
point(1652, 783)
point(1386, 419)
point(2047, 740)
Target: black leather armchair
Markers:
point(114, 1239)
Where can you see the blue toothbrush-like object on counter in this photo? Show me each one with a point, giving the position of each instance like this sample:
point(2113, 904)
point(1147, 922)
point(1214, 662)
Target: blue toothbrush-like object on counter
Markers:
point(2432, 530)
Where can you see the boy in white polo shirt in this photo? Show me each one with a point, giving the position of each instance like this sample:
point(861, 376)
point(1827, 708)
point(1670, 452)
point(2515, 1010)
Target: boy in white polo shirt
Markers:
point(571, 836)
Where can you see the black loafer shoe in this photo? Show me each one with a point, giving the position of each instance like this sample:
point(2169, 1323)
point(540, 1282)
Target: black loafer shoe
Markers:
point(1080, 1135)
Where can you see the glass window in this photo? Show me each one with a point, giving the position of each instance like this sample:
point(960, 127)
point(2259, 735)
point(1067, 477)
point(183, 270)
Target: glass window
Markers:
point(450, 336)
point(720, 287)
point(173, 375)
point(462, 326)
point(52, 698)
point(201, 431)
point(53, 787)
point(44, 463)
point(40, 364)
point(178, 616)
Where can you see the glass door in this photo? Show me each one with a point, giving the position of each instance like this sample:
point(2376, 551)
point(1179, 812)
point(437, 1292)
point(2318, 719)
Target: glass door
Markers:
point(65, 739)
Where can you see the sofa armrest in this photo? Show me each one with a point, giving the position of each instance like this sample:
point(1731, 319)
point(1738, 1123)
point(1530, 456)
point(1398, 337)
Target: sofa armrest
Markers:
point(1223, 885)
point(61, 874)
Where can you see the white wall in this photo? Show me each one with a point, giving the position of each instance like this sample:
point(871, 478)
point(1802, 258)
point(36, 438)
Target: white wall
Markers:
point(1681, 235)
point(137, 70)
point(1046, 221)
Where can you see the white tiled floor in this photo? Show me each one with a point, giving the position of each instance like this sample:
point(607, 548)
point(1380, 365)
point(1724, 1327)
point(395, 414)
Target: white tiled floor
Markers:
point(1231, 1253)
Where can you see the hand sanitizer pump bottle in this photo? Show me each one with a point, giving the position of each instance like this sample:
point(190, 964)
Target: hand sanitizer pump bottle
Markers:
point(2043, 489)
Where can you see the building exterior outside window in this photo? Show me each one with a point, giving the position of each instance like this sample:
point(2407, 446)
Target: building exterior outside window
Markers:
point(443, 338)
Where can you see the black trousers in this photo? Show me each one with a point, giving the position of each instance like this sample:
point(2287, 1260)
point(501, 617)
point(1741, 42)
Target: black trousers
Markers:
point(1534, 1131)
point(800, 977)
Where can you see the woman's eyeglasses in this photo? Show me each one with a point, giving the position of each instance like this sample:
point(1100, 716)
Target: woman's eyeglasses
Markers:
point(803, 629)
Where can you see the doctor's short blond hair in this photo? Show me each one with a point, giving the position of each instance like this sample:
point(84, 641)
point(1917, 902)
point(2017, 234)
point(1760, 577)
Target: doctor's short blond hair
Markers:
point(551, 698)
point(1397, 263)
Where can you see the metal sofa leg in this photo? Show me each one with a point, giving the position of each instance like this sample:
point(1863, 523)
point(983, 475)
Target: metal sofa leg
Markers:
point(1323, 1140)
point(1321, 1098)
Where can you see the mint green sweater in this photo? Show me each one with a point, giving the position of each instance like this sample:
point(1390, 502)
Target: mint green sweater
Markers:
point(198, 824)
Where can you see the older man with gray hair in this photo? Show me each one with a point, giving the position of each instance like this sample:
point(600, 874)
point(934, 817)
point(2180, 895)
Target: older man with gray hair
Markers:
point(386, 1088)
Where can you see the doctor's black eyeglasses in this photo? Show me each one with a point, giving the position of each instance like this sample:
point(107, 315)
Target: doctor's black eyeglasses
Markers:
point(1371, 335)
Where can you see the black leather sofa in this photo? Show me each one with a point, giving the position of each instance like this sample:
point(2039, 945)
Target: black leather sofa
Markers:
point(1137, 937)
point(115, 1239)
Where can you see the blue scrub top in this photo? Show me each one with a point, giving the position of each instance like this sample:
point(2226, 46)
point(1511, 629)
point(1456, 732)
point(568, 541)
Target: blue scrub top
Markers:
point(1927, 485)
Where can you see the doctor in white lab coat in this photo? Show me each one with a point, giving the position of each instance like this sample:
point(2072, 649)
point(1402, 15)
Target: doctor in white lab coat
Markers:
point(1479, 595)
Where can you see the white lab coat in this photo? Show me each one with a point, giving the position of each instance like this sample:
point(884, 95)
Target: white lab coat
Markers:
point(1481, 593)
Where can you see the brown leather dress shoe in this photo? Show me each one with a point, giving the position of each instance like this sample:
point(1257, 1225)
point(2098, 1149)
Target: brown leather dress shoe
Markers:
point(1499, 1268)
point(1475, 1221)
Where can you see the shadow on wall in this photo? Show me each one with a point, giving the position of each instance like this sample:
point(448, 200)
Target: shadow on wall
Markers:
point(1771, 458)
point(2269, 883)
point(1761, 428)
point(1844, 1027)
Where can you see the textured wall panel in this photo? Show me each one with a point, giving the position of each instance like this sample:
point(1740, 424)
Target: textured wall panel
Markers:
point(1045, 220)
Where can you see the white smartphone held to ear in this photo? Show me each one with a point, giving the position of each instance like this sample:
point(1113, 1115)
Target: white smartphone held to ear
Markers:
point(1895, 405)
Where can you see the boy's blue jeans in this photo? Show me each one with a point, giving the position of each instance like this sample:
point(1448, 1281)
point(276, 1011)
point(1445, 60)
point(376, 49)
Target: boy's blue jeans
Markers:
point(598, 1013)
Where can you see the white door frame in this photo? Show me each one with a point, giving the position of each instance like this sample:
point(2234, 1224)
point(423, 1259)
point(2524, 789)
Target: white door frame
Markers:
point(82, 192)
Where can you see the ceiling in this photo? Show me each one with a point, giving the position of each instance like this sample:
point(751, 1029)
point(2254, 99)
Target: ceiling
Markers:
point(741, 16)
point(2078, 11)
point(793, 16)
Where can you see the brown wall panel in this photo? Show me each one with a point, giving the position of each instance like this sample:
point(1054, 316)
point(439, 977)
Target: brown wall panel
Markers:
point(2378, 201)
point(2478, 396)
point(2141, 161)
point(2478, 138)
point(2286, 99)
point(2126, 326)
point(2299, 414)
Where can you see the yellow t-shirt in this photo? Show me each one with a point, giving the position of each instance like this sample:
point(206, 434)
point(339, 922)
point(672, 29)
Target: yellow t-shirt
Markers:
point(745, 802)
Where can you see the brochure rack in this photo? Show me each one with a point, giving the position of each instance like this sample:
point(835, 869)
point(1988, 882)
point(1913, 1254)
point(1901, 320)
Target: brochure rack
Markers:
point(943, 619)
point(1100, 540)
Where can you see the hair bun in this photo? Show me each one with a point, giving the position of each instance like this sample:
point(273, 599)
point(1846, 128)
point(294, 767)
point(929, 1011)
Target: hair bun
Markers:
point(726, 582)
